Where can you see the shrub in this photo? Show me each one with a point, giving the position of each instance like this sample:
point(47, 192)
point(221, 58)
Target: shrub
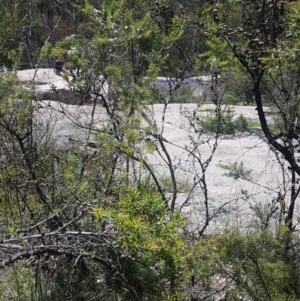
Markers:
point(237, 87)
point(227, 124)
point(231, 98)
point(252, 266)
point(236, 171)
point(184, 94)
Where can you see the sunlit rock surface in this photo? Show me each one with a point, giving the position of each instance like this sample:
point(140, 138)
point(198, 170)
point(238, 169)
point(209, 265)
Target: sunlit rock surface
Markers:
point(48, 85)
point(230, 200)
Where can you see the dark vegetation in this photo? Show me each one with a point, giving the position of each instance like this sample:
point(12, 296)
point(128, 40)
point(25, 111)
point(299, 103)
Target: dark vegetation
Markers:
point(104, 224)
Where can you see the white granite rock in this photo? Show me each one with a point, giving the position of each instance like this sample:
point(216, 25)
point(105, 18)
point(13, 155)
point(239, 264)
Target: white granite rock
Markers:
point(231, 202)
point(48, 85)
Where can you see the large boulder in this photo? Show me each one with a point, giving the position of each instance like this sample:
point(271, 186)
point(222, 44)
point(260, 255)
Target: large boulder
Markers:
point(48, 85)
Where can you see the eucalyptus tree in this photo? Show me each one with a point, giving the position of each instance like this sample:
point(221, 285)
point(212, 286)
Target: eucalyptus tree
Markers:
point(13, 30)
point(259, 34)
point(25, 26)
point(115, 60)
point(91, 214)
point(262, 38)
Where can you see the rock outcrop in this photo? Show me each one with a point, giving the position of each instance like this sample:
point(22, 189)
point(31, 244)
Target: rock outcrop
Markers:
point(48, 85)
point(231, 201)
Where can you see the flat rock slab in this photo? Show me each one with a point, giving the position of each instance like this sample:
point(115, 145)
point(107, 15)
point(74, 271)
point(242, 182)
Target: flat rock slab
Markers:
point(48, 85)
point(230, 201)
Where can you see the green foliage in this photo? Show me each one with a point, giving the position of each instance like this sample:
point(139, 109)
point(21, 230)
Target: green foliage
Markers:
point(287, 55)
point(71, 168)
point(241, 123)
point(257, 264)
point(237, 87)
point(236, 171)
point(143, 223)
point(149, 232)
point(16, 282)
point(11, 22)
point(286, 118)
point(182, 185)
point(217, 54)
point(132, 247)
point(184, 94)
point(231, 98)
point(226, 124)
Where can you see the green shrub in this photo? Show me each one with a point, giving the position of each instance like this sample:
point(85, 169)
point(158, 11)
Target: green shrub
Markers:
point(255, 265)
point(184, 94)
point(241, 123)
point(236, 171)
point(231, 98)
point(147, 231)
point(16, 282)
point(182, 185)
point(226, 124)
point(237, 87)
